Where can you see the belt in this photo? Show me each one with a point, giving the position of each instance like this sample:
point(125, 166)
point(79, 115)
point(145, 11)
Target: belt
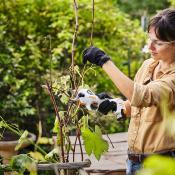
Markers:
point(140, 157)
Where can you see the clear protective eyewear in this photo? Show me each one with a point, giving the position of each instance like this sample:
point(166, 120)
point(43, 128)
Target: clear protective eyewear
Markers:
point(157, 42)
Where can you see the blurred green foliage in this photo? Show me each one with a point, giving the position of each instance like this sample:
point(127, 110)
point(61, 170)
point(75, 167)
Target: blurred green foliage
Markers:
point(172, 3)
point(31, 31)
point(138, 8)
point(158, 165)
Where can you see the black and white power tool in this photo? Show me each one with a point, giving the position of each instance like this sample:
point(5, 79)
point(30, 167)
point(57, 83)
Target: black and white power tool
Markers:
point(86, 98)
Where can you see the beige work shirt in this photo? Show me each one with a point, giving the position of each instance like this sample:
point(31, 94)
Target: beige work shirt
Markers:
point(147, 130)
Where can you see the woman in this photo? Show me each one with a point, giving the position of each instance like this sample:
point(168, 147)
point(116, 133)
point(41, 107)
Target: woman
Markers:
point(154, 81)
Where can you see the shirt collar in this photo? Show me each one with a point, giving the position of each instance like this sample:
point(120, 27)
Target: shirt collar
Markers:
point(170, 69)
point(151, 67)
point(154, 63)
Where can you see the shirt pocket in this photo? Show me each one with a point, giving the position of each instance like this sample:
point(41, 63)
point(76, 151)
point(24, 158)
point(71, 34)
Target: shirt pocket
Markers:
point(151, 114)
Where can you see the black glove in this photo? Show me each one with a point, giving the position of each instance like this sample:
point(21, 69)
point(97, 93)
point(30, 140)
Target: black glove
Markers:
point(103, 95)
point(106, 106)
point(95, 56)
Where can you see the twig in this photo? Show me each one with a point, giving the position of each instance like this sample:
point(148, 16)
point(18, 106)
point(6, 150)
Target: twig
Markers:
point(49, 88)
point(69, 142)
point(73, 45)
point(39, 123)
point(92, 29)
point(50, 56)
point(79, 140)
point(74, 148)
point(109, 139)
point(76, 30)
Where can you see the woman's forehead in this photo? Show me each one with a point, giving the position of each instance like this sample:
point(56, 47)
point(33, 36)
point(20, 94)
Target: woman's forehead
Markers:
point(152, 33)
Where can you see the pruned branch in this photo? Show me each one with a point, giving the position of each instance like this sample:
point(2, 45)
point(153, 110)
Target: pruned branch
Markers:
point(50, 56)
point(73, 45)
point(75, 143)
point(75, 32)
point(49, 88)
point(78, 133)
point(92, 29)
point(79, 140)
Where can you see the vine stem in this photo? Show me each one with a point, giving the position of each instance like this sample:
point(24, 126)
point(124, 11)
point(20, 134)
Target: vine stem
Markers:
point(92, 29)
point(49, 88)
point(50, 56)
point(79, 140)
point(74, 148)
point(73, 45)
point(75, 143)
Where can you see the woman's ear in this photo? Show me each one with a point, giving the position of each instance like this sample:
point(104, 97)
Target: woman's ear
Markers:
point(173, 44)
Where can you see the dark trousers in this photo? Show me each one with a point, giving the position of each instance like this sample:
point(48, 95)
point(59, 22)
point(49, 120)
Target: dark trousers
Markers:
point(132, 167)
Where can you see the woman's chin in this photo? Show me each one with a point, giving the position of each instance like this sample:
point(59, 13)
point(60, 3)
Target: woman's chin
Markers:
point(155, 56)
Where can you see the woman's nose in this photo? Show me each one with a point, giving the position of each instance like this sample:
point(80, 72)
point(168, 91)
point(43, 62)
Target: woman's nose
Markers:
point(151, 46)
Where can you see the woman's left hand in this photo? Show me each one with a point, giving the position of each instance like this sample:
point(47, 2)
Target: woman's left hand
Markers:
point(95, 56)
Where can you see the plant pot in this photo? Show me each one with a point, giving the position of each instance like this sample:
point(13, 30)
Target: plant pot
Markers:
point(8, 144)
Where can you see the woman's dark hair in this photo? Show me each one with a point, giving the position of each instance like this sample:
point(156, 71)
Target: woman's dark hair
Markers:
point(164, 25)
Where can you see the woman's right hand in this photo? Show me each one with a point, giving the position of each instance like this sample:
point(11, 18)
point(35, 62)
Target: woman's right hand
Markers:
point(107, 105)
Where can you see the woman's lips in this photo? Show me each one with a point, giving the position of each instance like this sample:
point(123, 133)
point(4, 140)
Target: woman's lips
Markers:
point(153, 53)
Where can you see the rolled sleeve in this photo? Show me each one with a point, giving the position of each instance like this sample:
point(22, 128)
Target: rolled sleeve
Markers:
point(138, 94)
point(153, 93)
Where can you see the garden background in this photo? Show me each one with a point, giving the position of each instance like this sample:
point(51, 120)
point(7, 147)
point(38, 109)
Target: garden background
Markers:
point(33, 31)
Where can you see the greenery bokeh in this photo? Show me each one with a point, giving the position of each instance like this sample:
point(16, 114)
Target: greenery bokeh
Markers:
point(32, 31)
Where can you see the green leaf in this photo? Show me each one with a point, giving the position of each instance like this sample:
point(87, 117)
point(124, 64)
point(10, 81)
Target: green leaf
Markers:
point(65, 79)
point(56, 126)
point(64, 99)
point(37, 156)
point(98, 131)
point(45, 141)
point(51, 154)
point(84, 122)
point(22, 139)
point(22, 162)
point(77, 70)
point(94, 143)
point(2, 124)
